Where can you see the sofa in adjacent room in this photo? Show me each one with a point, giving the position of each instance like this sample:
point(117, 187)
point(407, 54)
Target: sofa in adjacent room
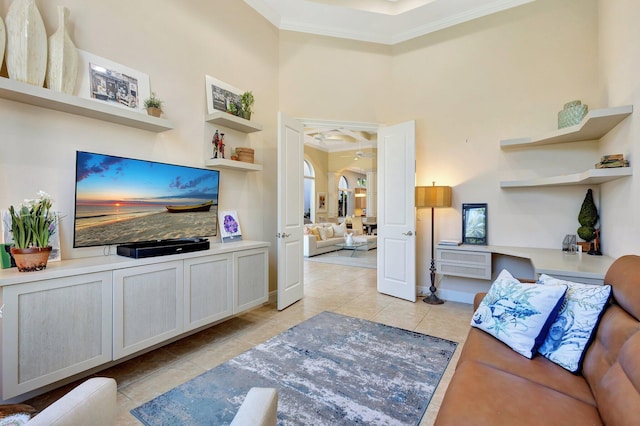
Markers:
point(495, 385)
point(322, 238)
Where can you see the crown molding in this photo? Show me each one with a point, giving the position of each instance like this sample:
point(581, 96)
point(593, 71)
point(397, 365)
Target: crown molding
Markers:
point(341, 22)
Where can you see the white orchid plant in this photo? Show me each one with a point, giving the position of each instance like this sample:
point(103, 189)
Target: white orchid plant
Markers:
point(33, 223)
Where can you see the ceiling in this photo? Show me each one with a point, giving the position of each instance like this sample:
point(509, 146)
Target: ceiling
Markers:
point(379, 21)
point(336, 139)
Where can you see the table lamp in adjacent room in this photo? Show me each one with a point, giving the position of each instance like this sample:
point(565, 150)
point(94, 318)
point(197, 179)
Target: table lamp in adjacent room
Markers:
point(434, 197)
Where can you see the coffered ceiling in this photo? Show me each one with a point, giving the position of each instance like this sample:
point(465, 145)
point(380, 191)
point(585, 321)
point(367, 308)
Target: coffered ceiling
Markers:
point(378, 21)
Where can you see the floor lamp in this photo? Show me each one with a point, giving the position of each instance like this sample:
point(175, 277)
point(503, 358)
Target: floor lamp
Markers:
point(434, 197)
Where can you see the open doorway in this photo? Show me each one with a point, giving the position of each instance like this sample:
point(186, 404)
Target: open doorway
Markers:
point(342, 158)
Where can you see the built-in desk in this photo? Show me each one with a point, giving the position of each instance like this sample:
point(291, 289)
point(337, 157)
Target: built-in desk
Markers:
point(467, 269)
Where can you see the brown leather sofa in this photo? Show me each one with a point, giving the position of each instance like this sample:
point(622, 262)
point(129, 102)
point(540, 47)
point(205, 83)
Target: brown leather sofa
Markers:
point(494, 385)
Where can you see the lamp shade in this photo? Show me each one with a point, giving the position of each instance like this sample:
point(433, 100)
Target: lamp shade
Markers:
point(433, 196)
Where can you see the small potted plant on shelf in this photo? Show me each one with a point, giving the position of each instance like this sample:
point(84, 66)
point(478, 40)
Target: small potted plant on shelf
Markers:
point(232, 108)
point(247, 100)
point(153, 105)
point(32, 225)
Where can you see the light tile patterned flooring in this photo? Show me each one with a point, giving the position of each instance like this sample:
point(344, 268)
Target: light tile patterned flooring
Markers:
point(346, 290)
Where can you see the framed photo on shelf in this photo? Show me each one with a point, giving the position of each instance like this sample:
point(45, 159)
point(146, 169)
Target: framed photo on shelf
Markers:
point(322, 202)
point(220, 95)
point(229, 226)
point(106, 81)
point(474, 224)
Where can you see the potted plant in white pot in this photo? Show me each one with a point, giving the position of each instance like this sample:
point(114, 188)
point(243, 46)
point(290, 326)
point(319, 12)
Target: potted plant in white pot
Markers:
point(32, 225)
point(153, 105)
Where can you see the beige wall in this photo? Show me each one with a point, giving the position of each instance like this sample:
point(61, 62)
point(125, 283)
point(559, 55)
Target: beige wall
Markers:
point(333, 79)
point(620, 64)
point(319, 161)
point(176, 46)
point(499, 77)
point(503, 76)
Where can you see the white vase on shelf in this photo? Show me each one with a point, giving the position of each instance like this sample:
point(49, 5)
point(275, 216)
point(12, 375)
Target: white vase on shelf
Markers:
point(62, 65)
point(26, 43)
point(3, 40)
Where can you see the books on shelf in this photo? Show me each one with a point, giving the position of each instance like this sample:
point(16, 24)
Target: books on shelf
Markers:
point(449, 243)
point(612, 161)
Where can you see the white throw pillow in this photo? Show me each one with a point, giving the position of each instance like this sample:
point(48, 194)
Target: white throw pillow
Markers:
point(519, 314)
point(329, 231)
point(339, 230)
point(573, 328)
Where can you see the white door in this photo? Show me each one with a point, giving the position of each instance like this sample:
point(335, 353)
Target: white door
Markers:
point(396, 211)
point(290, 210)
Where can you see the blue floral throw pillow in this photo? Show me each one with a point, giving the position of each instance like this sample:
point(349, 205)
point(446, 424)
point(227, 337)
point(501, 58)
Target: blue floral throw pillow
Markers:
point(571, 332)
point(518, 314)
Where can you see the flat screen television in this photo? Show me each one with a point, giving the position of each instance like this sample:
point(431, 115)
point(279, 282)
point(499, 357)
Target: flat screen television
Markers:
point(122, 200)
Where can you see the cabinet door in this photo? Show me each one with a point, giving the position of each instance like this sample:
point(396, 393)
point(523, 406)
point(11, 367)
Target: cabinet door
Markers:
point(460, 263)
point(251, 279)
point(148, 303)
point(54, 329)
point(208, 290)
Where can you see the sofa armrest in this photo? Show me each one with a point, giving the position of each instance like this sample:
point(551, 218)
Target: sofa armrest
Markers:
point(91, 403)
point(259, 408)
point(477, 299)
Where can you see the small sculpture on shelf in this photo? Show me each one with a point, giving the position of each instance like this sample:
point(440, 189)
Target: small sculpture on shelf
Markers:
point(218, 145)
point(221, 145)
point(215, 141)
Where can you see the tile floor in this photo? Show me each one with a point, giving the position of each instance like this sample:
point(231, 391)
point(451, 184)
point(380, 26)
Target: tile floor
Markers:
point(341, 289)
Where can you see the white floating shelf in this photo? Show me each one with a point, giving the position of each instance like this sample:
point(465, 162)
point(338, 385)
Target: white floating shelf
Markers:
point(590, 177)
point(39, 96)
point(233, 122)
point(222, 163)
point(593, 126)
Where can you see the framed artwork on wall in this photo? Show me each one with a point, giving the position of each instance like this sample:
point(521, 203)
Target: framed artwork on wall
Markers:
point(322, 202)
point(220, 95)
point(474, 224)
point(106, 81)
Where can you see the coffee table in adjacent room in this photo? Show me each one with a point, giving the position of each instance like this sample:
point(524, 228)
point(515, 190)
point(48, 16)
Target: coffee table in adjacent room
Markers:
point(353, 247)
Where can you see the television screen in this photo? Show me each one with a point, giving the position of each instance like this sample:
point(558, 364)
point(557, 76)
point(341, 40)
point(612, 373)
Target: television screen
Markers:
point(123, 200)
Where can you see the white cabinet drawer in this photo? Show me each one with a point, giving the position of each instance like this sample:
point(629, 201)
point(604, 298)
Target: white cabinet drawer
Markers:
point(461, 263)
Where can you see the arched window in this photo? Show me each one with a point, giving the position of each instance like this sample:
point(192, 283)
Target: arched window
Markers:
point(309, 193)
point(343, 196)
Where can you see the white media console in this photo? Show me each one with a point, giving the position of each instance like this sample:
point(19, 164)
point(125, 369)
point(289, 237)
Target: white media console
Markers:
point(79, 316)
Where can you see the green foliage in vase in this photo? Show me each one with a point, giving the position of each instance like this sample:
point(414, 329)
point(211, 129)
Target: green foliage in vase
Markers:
point(33, 223)
point(232, 109)
point(153, 101)
point(588, 217)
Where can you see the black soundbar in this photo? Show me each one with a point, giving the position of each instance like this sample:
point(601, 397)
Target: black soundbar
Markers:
point(162, 247)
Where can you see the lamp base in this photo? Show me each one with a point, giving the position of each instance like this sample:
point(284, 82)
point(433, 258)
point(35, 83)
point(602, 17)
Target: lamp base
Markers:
point(432, 299)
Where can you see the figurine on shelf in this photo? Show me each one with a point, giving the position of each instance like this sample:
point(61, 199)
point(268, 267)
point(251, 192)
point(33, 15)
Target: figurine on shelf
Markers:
point(221, 145)
point(595, 245)
point(215, 142)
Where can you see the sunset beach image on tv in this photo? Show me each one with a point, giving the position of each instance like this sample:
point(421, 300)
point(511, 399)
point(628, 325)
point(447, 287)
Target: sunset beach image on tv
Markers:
point(124, 200)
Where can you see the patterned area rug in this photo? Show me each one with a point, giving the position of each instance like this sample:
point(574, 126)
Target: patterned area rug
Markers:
point(361, 259)
point(331, 369)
